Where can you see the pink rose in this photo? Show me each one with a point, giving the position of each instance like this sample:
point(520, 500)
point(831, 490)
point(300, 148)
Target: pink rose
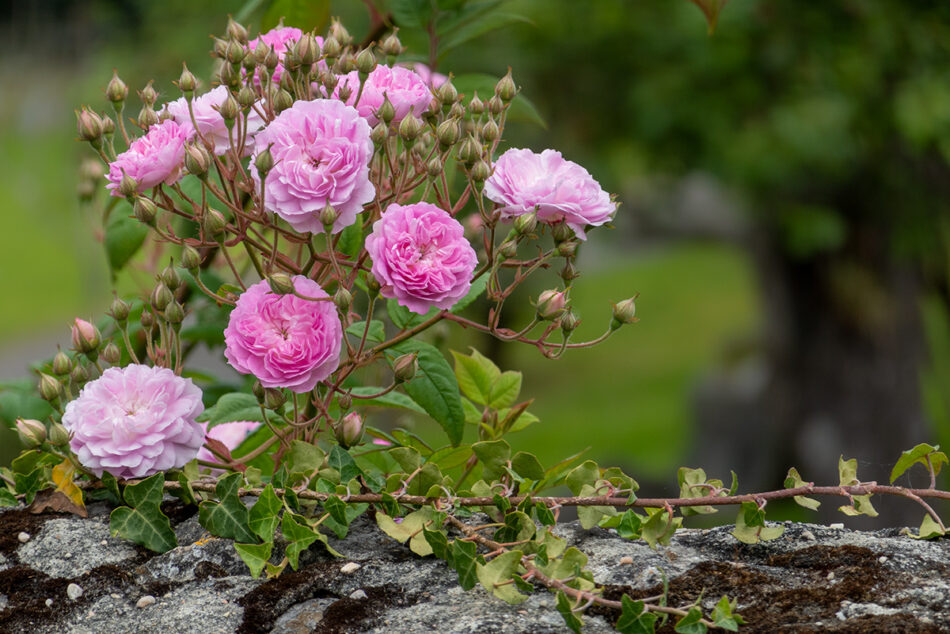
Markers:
point(230, 434)
point(556, 189)
point(135, 421)
point(421, 257)
point(284, 340)
point(321, 151)
point(211, 123)
point(433, 79)
point(406, 91)
point(151, 159)
point(281, 39)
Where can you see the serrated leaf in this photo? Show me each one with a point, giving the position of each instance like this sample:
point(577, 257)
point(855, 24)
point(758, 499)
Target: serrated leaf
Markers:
point(228, 517)
point(263, 516)
point(465, 560)
point(692, 622)
point(570, 618)
point(299, 537)
point(505, 389)
point(255, 556)
point(434, 387)
point(527, 466)
point(144, 523)
point(476, 374)
point(495, 574)
point(376, 334)
point(494, 455)
point(124, 237)
point(919, 454)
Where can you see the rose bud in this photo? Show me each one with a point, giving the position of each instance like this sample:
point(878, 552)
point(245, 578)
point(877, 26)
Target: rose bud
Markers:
point(349, 431)
point(116, 91)
point(506, 88)
point(32, 433)
point(551, 303)
point(342, 298)
point(50, 387)
point(111, 354)
point(85, 336)
point(89, 125)
point(624, 313)
point(187, 81)
point(58, 435)
point(405, 366)
point(280, 283)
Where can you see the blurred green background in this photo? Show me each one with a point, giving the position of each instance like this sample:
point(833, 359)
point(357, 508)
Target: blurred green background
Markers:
point(784, 186)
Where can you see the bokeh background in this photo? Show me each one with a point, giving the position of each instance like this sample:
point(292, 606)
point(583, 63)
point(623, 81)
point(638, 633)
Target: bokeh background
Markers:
point(784, 186)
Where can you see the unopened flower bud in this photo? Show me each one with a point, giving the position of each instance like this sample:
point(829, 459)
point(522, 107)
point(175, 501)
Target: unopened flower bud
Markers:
point(246, 98)
point(447, 93)
point(434, 167)
point(50, 387)
point(161, 297)
point(258, 391)
point(372, 285)
point(79, 375)
point(481, 171)
point(213, 222)
point(89, 125)
point(148, 95)
point(174, 313)
point(386, 112)
point(340, 34)
point(147, 117)
point(457, 111)
point(274, 398)
point(186, 81)
point(144, 210)
point(562, 232)
point(405, 367)
point(32, 433)
point(495, 106)
point(261, 51)
point(625, 312)
point(342, 298)
point(264, 162)
point(197, 159)
point(171, 278)
point(507, 249)
point(230, 109)
point(344, 400)
point(190, 258)
point(470, 151)
point(111, 353)
point(448, 132)
point(525, 224)
point(85, 336)
point(476, 106)
point(328, 216)
point(119, 310)
point(280, 283)
point(236, 31)
point(569, 273)
point(379, 133)
point(62, 364)
point(567, 248)
point(108, 125)
point(409, 127)
point(490, 130)
point(551, 303)
point(391, 46)
point(505, 88)
point(349, 431)
point(219, 48)
point(331, 49)
point(344, 93)
point(147, 319)
point(365, 61)
point(568, 321)
point(235, 52)
point(116, 90)
point(283, 101)
point(58, 435)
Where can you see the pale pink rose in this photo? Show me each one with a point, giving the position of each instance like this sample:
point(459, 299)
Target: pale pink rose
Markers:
point(421, 257)
point(282, 39)
point(406, 91)
point(433, 79)
point(210, 122)
point(231, 434)
point(154, 158)
point(321, 151)
point(284, 340)
point(135, 421)
point(556, 189)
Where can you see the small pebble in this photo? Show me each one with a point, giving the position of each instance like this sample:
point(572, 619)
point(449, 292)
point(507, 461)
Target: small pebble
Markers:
point(49, 603)
point(626, 559)
point(350, 568)
point(23, 537)
point(358, 595)
point(104, 542)
point(807, 534)
point(116, 596)
point(73, 591)
point(838, 525)
point(882, 559)
point(68, 556)
point(145, 601)
point(831, 575)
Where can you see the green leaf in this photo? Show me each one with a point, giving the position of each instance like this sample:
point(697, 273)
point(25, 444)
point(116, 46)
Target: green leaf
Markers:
point(439, 543)
point(478, 287)
point(793, 481)
point(630, 525)
point(351, 238)
point(494, 455)
point(124, 237)
point(659, 527)
point(343, 462)
point(451, 457)
point(476, 374)
point(377, 332)
point(337, 509)
point(299, 537)
point(929, 529)
point(591, 516)
point(465, 560)
point(29, 484)
point(476, 28)
point(255, 556)
point(545, 516)
point(228, 517)
point(434, 387)
point(570, 618)
point(586, 473)
point(349, 513)
point(527, 466)
point(848, 471)
point(263, 516)
point(634, 619)
point(392, 399)
point(144, 523)
point(410, 529)
point(691, 623)
point(723, 617)
point(232, 407)
point(304, 457)
point(407, 457)
point(750, 525)
point(518, 527)
point(494, 575)
point(7, 498)
point(403, 318)
point(505, 389)
point(411, 13)
point(306, 15)
point(22, 403)
point(919, 454)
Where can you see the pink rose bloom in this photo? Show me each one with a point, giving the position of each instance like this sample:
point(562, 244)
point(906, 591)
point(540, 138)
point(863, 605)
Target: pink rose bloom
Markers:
point(135, 421)
point(151, 159)
point(231, 434)
point(210, 122)
point(433, 79)
point(282, 40)
point(556, 189)
point(284, 340)
point(321, 151)
point(406, 91)
point(421, 257)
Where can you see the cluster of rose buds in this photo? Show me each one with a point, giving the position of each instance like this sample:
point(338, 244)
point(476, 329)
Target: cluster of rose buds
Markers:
point(317, 177)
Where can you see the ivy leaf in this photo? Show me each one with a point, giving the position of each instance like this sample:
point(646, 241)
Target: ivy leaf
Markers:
point(591, 516)
point(920, 454)
point(255, 556)
point(144, 523)
point(299, 537)
point(793, 481)
point(570, 618)
point(723, 617)
point(544, 514)
point(496, 573)
point(750, 525)
point(630, 525)
point(337, 509)
point(847, 472)
point(7, 498)
point(518, 527)
point(228, 517)
point(633, 617)
point(494, 455)
point(691, 623)
point(586, 473)
point(410, 529)
point(659, 527)
point(439, 543)
point(465, 560)
point(929, 529)
point(262, 518)
point(527, 466)
point(434, 387)
point(304, 457)
point(124, 237)
point(342, 461)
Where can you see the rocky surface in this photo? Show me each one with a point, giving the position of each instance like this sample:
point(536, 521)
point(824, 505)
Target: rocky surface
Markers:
point(71, 576)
